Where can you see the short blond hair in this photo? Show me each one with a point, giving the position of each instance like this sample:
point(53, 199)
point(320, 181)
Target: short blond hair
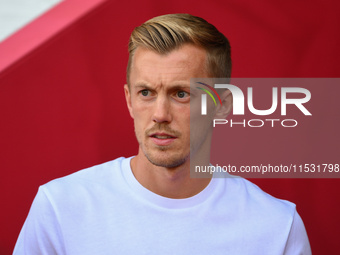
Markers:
point(165, 33)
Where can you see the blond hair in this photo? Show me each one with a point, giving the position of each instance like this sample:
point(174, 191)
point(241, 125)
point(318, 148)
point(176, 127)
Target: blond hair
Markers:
point(165, 33)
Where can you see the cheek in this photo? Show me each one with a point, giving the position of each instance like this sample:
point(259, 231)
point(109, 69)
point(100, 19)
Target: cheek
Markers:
point(141, 118)
point(139, 131)
point(183, 117)
point(139, 111)
point(200, 127)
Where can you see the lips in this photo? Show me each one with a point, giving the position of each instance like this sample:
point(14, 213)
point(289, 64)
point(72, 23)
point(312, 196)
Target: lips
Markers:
point(162, 139)
point(163, 136)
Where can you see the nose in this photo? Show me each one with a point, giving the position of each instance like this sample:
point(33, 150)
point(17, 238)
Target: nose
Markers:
point(162, 110)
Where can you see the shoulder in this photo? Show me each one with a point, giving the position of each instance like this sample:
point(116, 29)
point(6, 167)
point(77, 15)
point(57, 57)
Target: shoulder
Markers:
point(93, 173)
point(255, 204)
point(261, 217)
point(257, 197)
point(86, 181)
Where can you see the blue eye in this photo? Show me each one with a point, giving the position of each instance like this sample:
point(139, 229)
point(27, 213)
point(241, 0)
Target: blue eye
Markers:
point(145, 92)
point(182, 94)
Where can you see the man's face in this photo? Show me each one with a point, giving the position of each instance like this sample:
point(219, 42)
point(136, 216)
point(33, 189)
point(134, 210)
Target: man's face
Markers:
point(158, 99)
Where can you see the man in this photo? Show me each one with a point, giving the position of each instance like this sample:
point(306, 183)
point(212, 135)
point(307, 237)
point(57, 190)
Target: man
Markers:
point(148, 204)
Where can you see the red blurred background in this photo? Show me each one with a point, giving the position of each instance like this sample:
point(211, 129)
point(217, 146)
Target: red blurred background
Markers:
point(62, 105)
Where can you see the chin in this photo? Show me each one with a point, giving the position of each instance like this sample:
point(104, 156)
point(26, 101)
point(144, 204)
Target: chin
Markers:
point(166, 160)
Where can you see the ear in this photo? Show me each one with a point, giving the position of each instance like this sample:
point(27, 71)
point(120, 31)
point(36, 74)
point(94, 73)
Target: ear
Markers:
point(227, 104)
point(128, 99)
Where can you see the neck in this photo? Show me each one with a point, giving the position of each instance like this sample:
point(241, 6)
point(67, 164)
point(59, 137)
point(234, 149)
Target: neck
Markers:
point(167, 182)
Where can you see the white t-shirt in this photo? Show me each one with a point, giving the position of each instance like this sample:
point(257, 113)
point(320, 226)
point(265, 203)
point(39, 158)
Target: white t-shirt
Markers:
point(105, 210)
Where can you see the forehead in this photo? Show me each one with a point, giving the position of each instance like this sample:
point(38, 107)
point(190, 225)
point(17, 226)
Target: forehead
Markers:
point(181, 64)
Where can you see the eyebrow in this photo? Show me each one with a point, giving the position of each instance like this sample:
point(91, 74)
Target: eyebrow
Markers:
point(142, 85)
point(174, 87)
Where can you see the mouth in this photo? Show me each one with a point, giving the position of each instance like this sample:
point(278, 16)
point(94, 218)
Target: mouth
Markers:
point(162, 139)
point(162, 136)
